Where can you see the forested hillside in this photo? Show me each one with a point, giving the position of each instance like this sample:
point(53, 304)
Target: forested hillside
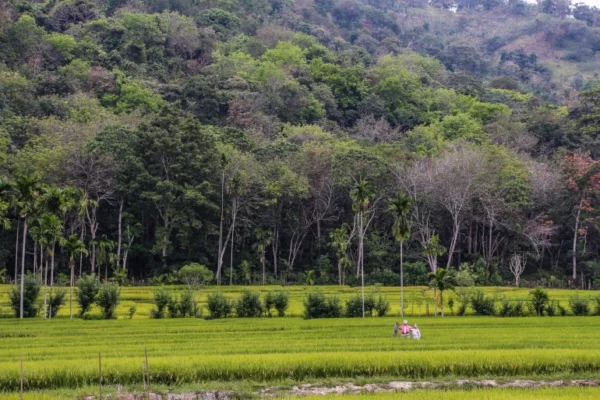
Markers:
point(280, 140)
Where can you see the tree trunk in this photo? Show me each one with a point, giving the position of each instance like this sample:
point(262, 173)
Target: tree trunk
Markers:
point(45, 290)
point(442, 303)
point(72, 266)
point(361, 262)
point(231, 259)
point(434, 302)
point(401, 280)
point(264, 268)
point(34, 258)
point(120, 233)
point(17, 252)
point(51, 279)
point(23, 268)
point(575, 241)
point(340, 271)
point(82, 238)
point(455, 233)
point(220, 259)
point(275, 248)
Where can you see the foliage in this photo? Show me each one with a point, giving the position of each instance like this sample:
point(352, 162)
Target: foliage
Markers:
point(162, 298)
point(539, 300)
point(30, 297)
point(87, 291)
point(317, 305)
point(579, 306)
point(482, 304)
point(218, 306)
point(195, 275)
point(108, 298)
point(278, 300)
point(248, 305)
point(56, 301)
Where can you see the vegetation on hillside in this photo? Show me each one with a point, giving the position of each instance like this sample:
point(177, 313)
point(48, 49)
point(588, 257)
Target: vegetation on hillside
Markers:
point(267, 139)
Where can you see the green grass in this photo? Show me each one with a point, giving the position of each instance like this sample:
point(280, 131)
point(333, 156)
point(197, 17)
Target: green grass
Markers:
point(61, 355)
point(142, 298)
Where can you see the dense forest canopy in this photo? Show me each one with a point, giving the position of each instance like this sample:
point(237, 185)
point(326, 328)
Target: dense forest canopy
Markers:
point(284, 137)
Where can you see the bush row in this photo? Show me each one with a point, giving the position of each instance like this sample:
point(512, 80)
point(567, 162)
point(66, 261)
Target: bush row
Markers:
point(318, 305)
point(538, 304)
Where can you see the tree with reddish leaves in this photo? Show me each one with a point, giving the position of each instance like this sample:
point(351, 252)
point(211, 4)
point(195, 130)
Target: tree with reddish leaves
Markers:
point(582, 179)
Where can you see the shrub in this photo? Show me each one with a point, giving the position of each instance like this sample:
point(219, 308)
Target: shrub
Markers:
point(481, 304)
point(173, 307)
point(597, 301)
point(109, 297)
point(539, 300)
point(218, 305)
point(187, 304)
point(30, 295)
point(579, 306)
point(56, 302)
point(464, 298)
point(354, 306)
point(132, 311)
point(162, 298)
point(282, 302)
point(87, 290)
point(551, 308)
point(248, 305)
point(381, 306)
point(276, 300)
point(317, 305)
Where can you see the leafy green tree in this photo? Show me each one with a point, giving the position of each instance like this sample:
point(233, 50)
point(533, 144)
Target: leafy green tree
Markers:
point(340, 242)
point(195, 275)
point(24, 301)
point(108, 298)
point(87, 291)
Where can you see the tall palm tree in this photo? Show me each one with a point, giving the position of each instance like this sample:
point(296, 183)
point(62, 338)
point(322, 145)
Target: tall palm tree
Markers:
point(361, 196)
point(104, 246)
point(432, 249)
point(8, 196)
point(339, 243)
point(263, 240)
point(400, 208)
point(50, 234)
point(28, 188)
point(439, 281)
point(75, 247)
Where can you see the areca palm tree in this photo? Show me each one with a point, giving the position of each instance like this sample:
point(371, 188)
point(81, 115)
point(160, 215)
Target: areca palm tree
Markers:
point(432, 249)
point(104, 246)
point(361, 196)
point(28, 188)
point(75, 247)
point(263, 240)
point(339, 243)
point(50, 232)
point(400, 208)
point(440, 281)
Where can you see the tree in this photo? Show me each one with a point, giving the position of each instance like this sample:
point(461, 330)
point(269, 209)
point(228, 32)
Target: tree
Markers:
point(340, 242)
point(28, 188)
point(105, 246)
point(195, 275)
point(75, 247)
point(516, 266)
point(432, 249)
point(400, 208)
point(50, 234)
point(441, 282)
point(263, 240)
point(361, 196)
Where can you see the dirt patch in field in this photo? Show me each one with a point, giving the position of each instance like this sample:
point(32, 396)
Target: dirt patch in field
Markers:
point(350, 388)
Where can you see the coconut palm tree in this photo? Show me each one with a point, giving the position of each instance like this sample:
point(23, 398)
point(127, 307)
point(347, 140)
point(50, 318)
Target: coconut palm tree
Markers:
point(440, 281)
point(75, 247)
point(28, 189)
point(400, 208)
point(361, 196)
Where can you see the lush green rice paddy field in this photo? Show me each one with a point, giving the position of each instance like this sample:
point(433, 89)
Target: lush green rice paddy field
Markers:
point(60, 356)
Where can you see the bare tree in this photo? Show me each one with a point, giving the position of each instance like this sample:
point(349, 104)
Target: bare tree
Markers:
point(96, 176)
point(517, 266)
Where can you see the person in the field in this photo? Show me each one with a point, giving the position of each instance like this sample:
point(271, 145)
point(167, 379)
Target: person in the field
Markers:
point(396, 328)
point(416, 332)
point(405, 329)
